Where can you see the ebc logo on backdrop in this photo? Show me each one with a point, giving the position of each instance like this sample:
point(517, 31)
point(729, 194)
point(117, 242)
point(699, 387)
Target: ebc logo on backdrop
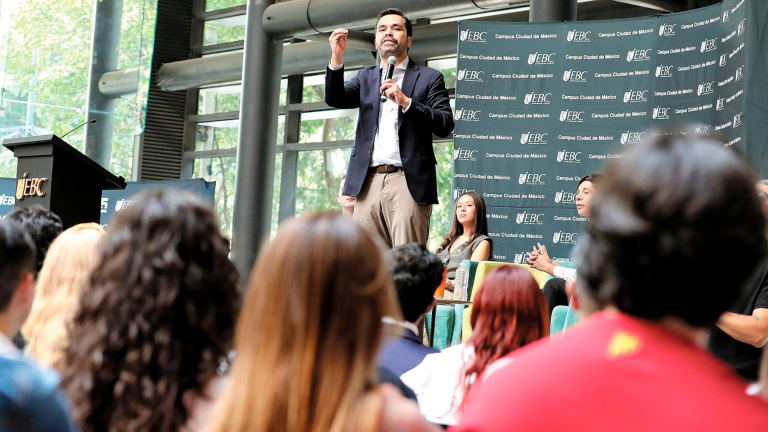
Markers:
point(634, 96)
point(667, 30)
point(562, 237)
point(520, 258)
point(472, 36)
point(538, 58)
point(742, 26)
point(708, 45)
point(720, 104)
point(630, 137)
point(706, 88)
point(464, 154)
point(723, 59)
point(739, 73)
point(639, 55)
point(574, 76)
point(569, 156)
point(704, 129)
point(532, 138)
point(464, 114)
point(664, 71)
point(538, 98)
point(528, 218)
point(726, 16)
point(527, 178)
point(468, 75)
point(578, 36)
point(661, 113)
point(572, 116)
point(737, 120)
point(565, 197)
point(459, 192)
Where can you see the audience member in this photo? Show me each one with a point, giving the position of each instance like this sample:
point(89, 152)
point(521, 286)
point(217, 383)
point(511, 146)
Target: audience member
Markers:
point(41, 224)
point(417, 273)
point(347, 203)
point(740, 335)
point(29, 395)
point(554, 289)
point(652, 259)
point(156, 322)
point(468, 238)
point(509, 312)
point(65, 274)
point(306, 349)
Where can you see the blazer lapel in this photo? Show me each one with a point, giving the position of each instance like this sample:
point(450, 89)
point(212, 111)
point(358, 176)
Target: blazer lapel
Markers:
point(411, 74)
point(374, 81)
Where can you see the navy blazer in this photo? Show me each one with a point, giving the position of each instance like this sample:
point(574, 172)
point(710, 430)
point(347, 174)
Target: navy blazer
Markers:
point(403, 353)
point(430, 113)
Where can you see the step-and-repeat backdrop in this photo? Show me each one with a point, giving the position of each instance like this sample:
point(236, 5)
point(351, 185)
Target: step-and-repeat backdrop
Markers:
point(538, 106)
point(113, 201)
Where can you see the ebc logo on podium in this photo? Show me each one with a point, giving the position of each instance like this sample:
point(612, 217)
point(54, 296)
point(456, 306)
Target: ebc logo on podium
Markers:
point(29, 187)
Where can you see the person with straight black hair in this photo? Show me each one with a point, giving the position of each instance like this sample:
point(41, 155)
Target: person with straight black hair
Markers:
point(674, 233)
point(538, 258)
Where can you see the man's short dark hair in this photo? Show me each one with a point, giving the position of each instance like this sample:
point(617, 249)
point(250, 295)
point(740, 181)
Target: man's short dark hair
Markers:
point(42, 225)
point(675, 231)
point(398, 12)
point(17, 257)
point(417, 273)
point(595, 179)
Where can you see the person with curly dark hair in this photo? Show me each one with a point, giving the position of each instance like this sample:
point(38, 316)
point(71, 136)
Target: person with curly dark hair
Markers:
point(156, 322)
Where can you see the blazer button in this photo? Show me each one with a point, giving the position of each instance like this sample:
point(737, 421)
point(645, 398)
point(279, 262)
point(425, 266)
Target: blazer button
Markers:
point(370, 152)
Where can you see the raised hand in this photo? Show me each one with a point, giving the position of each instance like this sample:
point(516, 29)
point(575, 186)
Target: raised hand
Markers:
point(338, 42)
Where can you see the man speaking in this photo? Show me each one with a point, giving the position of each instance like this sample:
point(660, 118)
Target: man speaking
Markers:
point(392, 165)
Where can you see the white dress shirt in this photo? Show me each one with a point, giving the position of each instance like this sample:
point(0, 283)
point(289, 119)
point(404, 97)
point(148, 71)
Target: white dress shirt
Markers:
point(566, 273)
point(386, 144)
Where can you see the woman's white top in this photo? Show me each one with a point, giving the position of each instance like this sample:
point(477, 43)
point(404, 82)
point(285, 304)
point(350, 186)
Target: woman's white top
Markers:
point(436, 382)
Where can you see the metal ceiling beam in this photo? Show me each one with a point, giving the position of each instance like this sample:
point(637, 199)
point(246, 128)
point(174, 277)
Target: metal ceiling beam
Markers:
point(659, 5)
point(302, 17)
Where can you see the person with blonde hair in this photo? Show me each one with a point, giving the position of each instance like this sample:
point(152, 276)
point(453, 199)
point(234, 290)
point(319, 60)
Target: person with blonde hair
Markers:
point(308, 334)
point(65, 272)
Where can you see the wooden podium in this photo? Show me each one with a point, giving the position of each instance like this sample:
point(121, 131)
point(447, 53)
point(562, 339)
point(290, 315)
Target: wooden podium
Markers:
point(57, 176)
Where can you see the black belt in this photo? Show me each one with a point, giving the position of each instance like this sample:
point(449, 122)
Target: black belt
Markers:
point(383, 169)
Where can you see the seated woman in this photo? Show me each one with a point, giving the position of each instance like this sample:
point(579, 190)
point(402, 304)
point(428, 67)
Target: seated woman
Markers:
point(554, 289)
point(509, 312)
point(156, 324)
point(468, 238)
point(66, 270)
point(308, 336)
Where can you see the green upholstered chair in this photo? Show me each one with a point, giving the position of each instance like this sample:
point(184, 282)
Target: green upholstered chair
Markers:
point(445, 321)
point(482, 269)
point(562, 318)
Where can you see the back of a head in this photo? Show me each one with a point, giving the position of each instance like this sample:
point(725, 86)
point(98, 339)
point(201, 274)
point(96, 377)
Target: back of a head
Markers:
point(664, 227)
point(416, 273)
point(42, 225)
point(509, 311)
point(17, 257)
point(157, 319)
point(65, 274)
point(309, 331)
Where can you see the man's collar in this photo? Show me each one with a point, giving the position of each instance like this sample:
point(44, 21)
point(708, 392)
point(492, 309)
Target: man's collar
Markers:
point(403, 64)
point(7, 348)
point(404, 324)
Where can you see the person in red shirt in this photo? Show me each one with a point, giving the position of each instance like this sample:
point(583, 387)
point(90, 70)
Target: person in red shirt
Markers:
point(656, 269)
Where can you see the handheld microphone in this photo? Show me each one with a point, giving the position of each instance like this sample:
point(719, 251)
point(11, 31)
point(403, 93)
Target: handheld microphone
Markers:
point(391, 60)
point(83, 124)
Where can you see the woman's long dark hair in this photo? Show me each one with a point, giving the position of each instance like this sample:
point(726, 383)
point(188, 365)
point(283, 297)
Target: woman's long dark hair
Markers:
point(157, 319)
point(481, 223)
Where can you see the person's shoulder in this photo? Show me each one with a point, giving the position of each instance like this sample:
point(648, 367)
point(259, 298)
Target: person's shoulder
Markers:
point(27, 384)
point(399, 413)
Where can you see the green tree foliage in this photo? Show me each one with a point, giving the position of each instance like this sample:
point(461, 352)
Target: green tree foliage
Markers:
point(44, 59)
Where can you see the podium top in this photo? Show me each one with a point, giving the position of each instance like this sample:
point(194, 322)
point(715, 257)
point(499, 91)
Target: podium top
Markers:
point(110, 180)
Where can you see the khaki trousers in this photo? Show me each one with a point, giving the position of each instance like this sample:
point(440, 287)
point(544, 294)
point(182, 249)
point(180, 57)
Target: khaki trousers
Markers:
point(385, 208)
